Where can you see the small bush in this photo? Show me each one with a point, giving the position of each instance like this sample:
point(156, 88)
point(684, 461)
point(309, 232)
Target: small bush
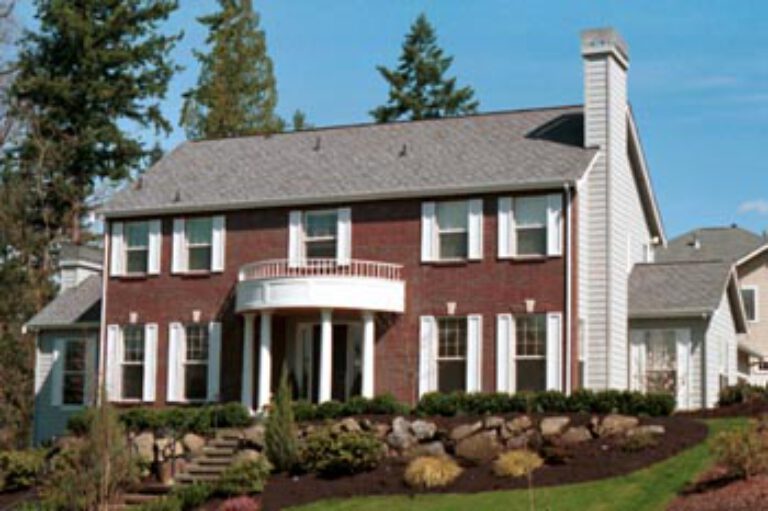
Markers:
point(169, 503)
point(384, 404)
point(741, 393)
point(743, 452)
point(431, 472)
point(516, 463)
point(333, 454)
point(192, 496)
point(240, 504)
point(280, 436)
point(20, 469)
point(639, 442)
point(245, 477)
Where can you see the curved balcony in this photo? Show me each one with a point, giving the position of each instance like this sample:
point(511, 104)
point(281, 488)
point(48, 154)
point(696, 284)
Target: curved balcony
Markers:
point(321, 283)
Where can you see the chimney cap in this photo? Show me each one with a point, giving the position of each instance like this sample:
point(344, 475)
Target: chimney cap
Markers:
point(602, 41)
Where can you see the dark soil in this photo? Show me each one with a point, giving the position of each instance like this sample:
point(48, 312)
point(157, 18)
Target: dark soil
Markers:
point(753, 408)
point(597, 459)
point(751, 495)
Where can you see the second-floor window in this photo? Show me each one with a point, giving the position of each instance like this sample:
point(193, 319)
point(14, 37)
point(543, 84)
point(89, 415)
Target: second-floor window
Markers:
point(137, 247)
point(452, 230)
point(199, 236)
point(749, 296)
point(320, 234)
point(531, 225)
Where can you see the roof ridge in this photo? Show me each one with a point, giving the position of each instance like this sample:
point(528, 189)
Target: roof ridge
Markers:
point(320, 129)
point(686, 261)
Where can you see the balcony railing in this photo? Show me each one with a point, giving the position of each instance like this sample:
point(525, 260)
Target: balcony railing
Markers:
point(284, 268)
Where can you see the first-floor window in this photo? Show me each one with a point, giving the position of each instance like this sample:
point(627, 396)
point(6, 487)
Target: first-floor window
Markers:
point(74, 372)
point(196, 363)
point(133, 362)
point(451, 354)
point(531, 352)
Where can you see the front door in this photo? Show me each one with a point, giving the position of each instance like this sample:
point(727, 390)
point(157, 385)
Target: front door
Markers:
point(660, 361)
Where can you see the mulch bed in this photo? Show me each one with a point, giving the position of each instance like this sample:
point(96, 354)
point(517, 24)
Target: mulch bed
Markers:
point(593, 460)
point(750, 495)
point(754, 408)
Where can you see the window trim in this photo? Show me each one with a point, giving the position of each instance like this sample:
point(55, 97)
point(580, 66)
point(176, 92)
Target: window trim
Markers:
point(518, 227)
point(465, 358)
point(755, 298)
point(65, 342)
point(543, 357)
point(127, 248)
point(305, 239)
point(123, 362)
point(185, 361)
point(440, 231)
point(188, 246)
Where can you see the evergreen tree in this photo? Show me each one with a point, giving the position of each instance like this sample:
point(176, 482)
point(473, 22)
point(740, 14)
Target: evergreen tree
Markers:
point(280, 436)
point(299, 121)
point(236, 91)
point(89, 65)
point(418, 87)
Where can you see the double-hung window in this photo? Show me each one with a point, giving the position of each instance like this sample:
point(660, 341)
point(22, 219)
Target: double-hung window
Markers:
point(320, 234)
point(531, 225)
point(451, 354)
point(452, 230)
point(196, 362)
point(133, 362)
point(531, 352)
point(749, 297)
point(136, 247)
point(74, 372)
point(199, 236)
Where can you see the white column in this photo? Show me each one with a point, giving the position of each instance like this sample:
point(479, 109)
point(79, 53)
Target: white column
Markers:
point(265, 359)
point(368, 357)
point(326, 356)
point(246, 389)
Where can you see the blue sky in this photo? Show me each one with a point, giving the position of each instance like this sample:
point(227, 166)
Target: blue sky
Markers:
point(698, 77)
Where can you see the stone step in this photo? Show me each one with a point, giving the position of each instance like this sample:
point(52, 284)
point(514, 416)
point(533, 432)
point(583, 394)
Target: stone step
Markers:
point(187, 478)
point(205, 469)
point(229, 434)
point(221, 460)
point(224, 443)
point(218, 452)
point(133, 499)
point(154, 489)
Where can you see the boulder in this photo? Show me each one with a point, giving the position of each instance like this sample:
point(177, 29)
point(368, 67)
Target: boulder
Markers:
point(650, 429)
point(575, 435)
point(519, 424)
point(247, 455)
point(380, 430)
point(616, 424)
point(551, 426)
point(480, 448)
point(144, 444)
point(193, 443)
point(435, 448)
point(349, 425)
point(461, 432)
point(400, 437)
point(254, 435)
point(493, 422)
point(517, 442)
point(423, 430)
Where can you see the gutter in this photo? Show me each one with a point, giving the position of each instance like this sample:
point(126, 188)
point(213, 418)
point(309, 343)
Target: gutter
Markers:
point(568, 288)
point(100, 379)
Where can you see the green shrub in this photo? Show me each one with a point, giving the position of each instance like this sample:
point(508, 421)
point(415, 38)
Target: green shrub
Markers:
point(280, 435)
point(245, 477)
point(192, 496)
point(743, 451)
point(581, 401)
point(431, 472)
point(437, 403)
point(169, 503)
point(335, 453)
point(550, 401)
point(741, 393)
point(639, 442)
point(20, 469)
point(384, 404)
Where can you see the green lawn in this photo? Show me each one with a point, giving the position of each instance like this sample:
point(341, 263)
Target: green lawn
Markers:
point(649, 489)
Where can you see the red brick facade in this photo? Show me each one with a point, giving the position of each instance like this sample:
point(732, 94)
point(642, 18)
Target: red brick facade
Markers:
point(387, 231)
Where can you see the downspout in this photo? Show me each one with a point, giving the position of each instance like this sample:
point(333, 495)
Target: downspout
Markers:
point(101, 379)
point(568, 288)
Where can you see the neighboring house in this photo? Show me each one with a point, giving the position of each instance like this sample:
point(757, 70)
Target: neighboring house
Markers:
point(67, 334)
point(752, 269)
point(488, 252)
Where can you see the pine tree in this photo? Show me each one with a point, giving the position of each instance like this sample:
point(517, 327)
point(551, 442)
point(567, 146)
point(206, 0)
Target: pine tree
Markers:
point(90, 65)
point(418, 87)
point(236, 91)
point(280, 435)
point(299, 121)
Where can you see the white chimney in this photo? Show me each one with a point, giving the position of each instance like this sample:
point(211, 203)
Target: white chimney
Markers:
point(77, 263)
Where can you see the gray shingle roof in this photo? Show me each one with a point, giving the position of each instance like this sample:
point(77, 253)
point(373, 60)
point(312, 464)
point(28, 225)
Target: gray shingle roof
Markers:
point(72, 252)
point(80, 304)
point(677, 288)
point(714, 243)
point(526, 148)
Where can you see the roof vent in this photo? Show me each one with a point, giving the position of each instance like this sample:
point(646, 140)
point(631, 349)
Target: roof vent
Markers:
point(695, 242)
point(177, 197)
point(403, 150)
point(317, 144)
point(139, 183)
point(734, 226)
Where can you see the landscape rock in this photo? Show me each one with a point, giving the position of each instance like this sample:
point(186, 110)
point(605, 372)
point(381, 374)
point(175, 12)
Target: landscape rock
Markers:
point(493, 422)
point(461, 432)
point(616, 424)
point(519, 424)
point(193, 443)
point(651, 429)
point(480, 448)
point(401, 438)
point(380, 430)
point(144, 443)
point(435, 448)
point(551, 426)
point(423, 430)
point(350, 425)
point(247, 455)
point(575, 435)
point(254, 435)
point(518, 442)
point(169, 449)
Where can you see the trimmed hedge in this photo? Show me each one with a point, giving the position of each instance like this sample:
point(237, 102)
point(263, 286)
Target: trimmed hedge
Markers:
point(201, 420)
point(741, 393)
point(384, 404)
point(586, 401)
point(20, 469)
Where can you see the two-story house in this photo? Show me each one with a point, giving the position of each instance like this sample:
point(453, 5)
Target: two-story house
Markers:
point(489, 252)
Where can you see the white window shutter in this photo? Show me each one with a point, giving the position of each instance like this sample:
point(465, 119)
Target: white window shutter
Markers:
point(475, 223)
point(117, 251)
point(114, 359)
point(505, 349)
point(474, 352)
point(218, 242)
point(176, 349)
point(295, 235)
point(428, 232)
point(344, 236)
point(179, 258)
point(554, 349)
point(57, 387)
point(506, 231)
point(214, 360)
point(150, 362)
point(555, 225)
point(427, 354)
point(155, 246)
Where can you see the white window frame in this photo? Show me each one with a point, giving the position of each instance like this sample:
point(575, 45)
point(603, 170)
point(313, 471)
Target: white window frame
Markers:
point(518, 357)
point(438, 325)
point(508, 227)
point(64, 371)
point(439, 231)
point(132, 363)
point(188, 246)
point(127, 248)
point(755, 299)
point(306, 240)
point(530, 227)
point(204, 327)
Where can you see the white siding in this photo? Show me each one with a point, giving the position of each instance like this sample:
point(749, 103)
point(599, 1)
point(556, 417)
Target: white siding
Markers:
point(721, 343)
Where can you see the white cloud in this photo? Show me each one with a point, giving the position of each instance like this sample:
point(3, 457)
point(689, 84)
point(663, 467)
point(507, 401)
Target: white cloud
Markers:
point(759, 206)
